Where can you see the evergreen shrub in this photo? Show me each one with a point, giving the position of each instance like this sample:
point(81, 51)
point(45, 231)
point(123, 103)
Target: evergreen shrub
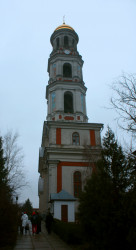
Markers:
point(8, 228)
point(70, 232)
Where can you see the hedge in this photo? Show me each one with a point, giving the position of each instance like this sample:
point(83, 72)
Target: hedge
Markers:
point(70, 232)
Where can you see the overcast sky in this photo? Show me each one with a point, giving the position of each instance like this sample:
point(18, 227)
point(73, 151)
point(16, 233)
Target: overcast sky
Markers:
point(107, 43)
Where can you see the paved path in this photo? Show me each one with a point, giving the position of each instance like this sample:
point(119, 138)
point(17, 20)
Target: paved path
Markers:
point(41, 241)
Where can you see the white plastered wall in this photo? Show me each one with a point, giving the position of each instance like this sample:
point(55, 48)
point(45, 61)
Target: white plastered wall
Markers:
point(52, 178)
point(71, 210)
point(66, 136)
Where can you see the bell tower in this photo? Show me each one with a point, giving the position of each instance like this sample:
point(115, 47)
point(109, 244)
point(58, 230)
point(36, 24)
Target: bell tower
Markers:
point(66, 90)
point(63, 162)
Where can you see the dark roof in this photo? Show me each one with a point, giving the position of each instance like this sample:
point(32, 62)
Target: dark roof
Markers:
point(62, 196)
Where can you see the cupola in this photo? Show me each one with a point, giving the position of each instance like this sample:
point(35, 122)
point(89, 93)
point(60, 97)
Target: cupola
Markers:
point(64, 36)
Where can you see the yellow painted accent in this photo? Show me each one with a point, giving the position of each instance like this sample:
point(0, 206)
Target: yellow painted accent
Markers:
point(64, 26)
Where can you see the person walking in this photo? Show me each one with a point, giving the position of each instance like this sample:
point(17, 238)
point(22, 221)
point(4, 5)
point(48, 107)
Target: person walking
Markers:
point(38, 223)
point(48, 222)
point(24, 219)
point(19, 222)
point(34, 223)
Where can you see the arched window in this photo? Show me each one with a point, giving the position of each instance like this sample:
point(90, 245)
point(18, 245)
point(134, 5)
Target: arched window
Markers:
point(57, 42)
point(65, 41)
point(75, 138)
point(68, 102)
point(67, 70)
point(77, 184)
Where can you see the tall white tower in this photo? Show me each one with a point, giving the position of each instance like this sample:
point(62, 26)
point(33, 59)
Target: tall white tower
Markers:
point(63, 164)
point(66, 90)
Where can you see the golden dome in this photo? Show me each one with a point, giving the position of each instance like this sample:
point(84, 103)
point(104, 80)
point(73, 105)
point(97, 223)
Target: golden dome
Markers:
point(64, 26)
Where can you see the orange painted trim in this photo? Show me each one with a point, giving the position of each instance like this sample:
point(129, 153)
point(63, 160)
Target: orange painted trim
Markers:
point(58, 136)
point(70, 164)
point(92, 137)
point(59, 177)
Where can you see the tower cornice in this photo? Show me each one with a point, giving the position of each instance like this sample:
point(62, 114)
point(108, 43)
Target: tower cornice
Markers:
point(72, 57)
point(79, 125)
point(63, 86)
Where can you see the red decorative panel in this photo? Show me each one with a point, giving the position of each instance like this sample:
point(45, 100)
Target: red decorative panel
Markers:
point(78, 117)
point(92, 137)
point(60, 116)
point(59, 177)
point(58, 136)
point(67, 80)
point(69, 118)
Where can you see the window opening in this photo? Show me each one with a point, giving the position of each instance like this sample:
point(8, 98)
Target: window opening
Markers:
point(67, 71)
point(57, 41)
point(77, 184)
point(68, 102)
point(75, 138)
point(66, 41)
point(73, 42)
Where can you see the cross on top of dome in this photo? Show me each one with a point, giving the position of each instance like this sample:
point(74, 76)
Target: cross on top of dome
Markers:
point(64, 26)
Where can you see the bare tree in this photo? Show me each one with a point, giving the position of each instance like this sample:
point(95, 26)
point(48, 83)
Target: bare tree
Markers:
point(124, 101)
point(14, 161)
